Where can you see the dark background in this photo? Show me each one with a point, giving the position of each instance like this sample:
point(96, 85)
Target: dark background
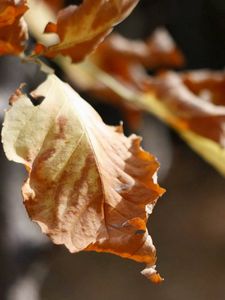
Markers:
point(188, 223)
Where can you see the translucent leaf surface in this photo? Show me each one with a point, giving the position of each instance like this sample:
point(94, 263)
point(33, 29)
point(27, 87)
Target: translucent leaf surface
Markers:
point(89, 186)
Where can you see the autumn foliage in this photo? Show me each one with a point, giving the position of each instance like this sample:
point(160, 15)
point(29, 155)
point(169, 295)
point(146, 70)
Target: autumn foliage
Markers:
point(89, 186)
point(13, 29)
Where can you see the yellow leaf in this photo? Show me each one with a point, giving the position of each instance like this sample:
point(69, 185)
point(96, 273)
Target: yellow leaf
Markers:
point(89, 186)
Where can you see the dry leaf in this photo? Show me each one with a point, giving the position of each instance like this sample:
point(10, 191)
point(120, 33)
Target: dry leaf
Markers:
point(81, 28)
point(89, 186)
point(192, 111)
point(163, 51)
point(127, 60)
point(209, 85)
point(13, 30)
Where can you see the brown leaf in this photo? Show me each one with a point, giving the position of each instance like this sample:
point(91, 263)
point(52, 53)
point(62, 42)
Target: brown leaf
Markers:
point(192, 110)
point(81, 28)
point(13, 30)
point(127, 60)
point(163, 51)
point(207, 84)
point(89, 186)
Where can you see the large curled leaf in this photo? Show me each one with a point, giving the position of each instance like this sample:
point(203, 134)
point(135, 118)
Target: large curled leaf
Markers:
point(89, 186)
point(81, 28)
point(13, 30)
